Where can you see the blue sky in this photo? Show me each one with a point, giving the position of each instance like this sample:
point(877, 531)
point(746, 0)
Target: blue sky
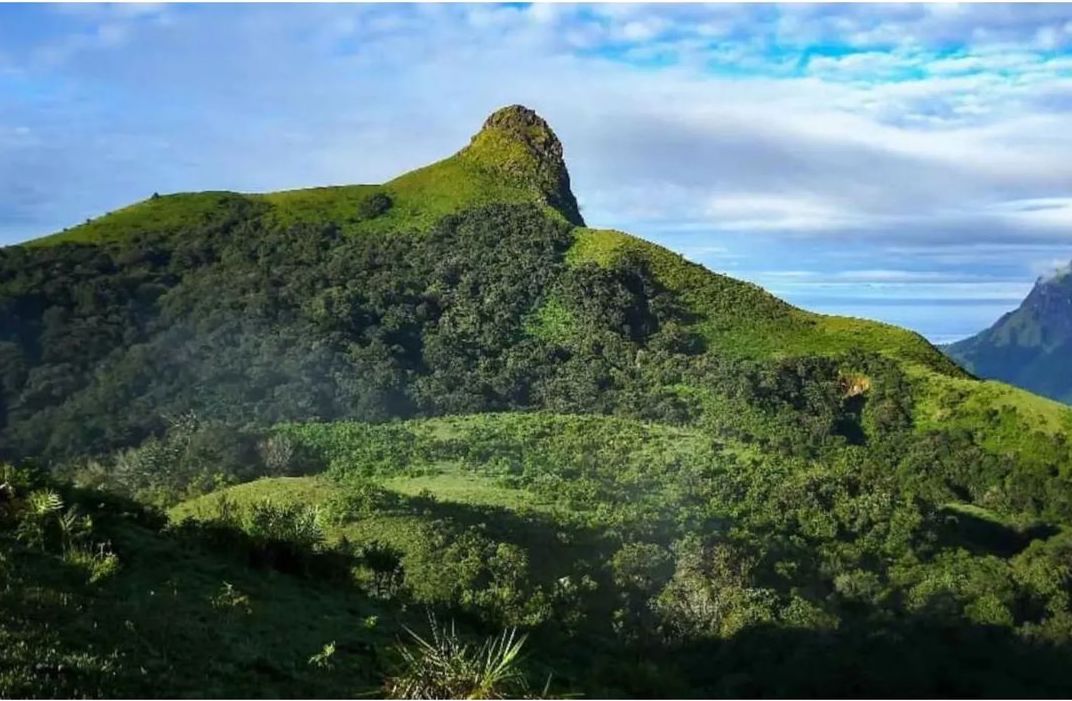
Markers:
point(909, 163)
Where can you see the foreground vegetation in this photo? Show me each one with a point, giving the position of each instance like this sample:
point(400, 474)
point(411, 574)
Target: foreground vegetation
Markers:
point(713, 568)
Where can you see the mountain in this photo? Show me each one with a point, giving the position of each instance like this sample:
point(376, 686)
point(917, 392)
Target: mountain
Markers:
point(446, 407)
point(514, 158)
point(1028, 347)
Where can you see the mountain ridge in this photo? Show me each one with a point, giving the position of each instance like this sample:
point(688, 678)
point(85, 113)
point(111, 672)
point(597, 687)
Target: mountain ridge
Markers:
point(514, 157)
point(1028, 346)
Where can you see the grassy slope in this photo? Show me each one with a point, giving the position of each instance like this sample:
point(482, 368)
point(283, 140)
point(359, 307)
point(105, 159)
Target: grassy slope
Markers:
point(735, 318)
point(1005, 417)
point(419, 198)
point(773, 328)
point(167, 214)
point(167, 624)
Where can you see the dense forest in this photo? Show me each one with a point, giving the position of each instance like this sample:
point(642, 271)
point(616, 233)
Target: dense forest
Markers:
point(454, 443)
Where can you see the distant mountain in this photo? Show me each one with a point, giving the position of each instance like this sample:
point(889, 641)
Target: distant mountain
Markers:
point(1031, 346)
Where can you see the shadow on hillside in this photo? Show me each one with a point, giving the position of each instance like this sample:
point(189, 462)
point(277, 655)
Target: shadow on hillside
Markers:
point(983, 536)
point(913, 659)
point(549, 542)
point(180, 617)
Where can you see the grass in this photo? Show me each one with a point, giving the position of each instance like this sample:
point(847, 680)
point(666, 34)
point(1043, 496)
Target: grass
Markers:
point(742, 319)
point(312, 490)
point(423, 196)
point(420, 198)
point(452, 483)
point(179, 621)
point(525, 474)
point(956, 399)
point(317, 205)
point(168, 214)
point(1008, 420)
point(455, 484)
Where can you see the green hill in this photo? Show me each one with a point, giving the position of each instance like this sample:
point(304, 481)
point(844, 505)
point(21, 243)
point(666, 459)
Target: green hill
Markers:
point(514, 158)
point(445, 395)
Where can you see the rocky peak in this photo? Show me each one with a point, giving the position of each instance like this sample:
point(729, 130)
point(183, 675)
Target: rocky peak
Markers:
point(1049, 305)
point(521, 147)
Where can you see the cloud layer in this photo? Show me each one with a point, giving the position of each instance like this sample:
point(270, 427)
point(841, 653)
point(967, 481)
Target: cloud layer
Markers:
point(919, 149)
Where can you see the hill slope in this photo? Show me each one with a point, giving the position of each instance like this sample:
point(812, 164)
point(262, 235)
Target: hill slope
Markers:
point(724, 570)
point(447, 393)
point(1028, 347)
point(462, 287)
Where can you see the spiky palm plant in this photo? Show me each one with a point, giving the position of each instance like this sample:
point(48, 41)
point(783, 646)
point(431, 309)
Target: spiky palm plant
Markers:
point(444, 666)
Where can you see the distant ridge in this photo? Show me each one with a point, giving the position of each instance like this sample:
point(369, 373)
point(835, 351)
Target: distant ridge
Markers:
point(1029, 347)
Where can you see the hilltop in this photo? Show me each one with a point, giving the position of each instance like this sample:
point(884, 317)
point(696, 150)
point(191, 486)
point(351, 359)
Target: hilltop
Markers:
point(449, 396)
point(514, 158)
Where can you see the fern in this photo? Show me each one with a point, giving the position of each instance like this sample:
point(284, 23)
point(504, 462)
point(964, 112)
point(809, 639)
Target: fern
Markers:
point(43, 502)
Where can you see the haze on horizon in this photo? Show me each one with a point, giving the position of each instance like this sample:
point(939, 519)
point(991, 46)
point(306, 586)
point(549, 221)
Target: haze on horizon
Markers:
point(907, 163)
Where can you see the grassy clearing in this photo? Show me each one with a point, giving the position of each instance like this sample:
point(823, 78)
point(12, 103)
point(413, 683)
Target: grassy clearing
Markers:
point(455, 484)
point(577, 471)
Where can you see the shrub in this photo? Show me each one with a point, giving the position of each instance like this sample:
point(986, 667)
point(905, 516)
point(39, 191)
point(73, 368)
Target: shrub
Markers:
point(446, 667)
point(323, 659)
point(710, 593)
point(381, 568)
point(295, 524)
point(357, 498)
point(230, 599)
point(374, 206)
point(277, 454)
point(37, 517)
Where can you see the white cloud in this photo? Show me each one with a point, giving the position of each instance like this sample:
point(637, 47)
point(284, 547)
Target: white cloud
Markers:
point(751, 212)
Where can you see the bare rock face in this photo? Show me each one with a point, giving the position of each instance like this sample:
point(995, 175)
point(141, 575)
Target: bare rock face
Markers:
point(1050, 303)
point(520, 147)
